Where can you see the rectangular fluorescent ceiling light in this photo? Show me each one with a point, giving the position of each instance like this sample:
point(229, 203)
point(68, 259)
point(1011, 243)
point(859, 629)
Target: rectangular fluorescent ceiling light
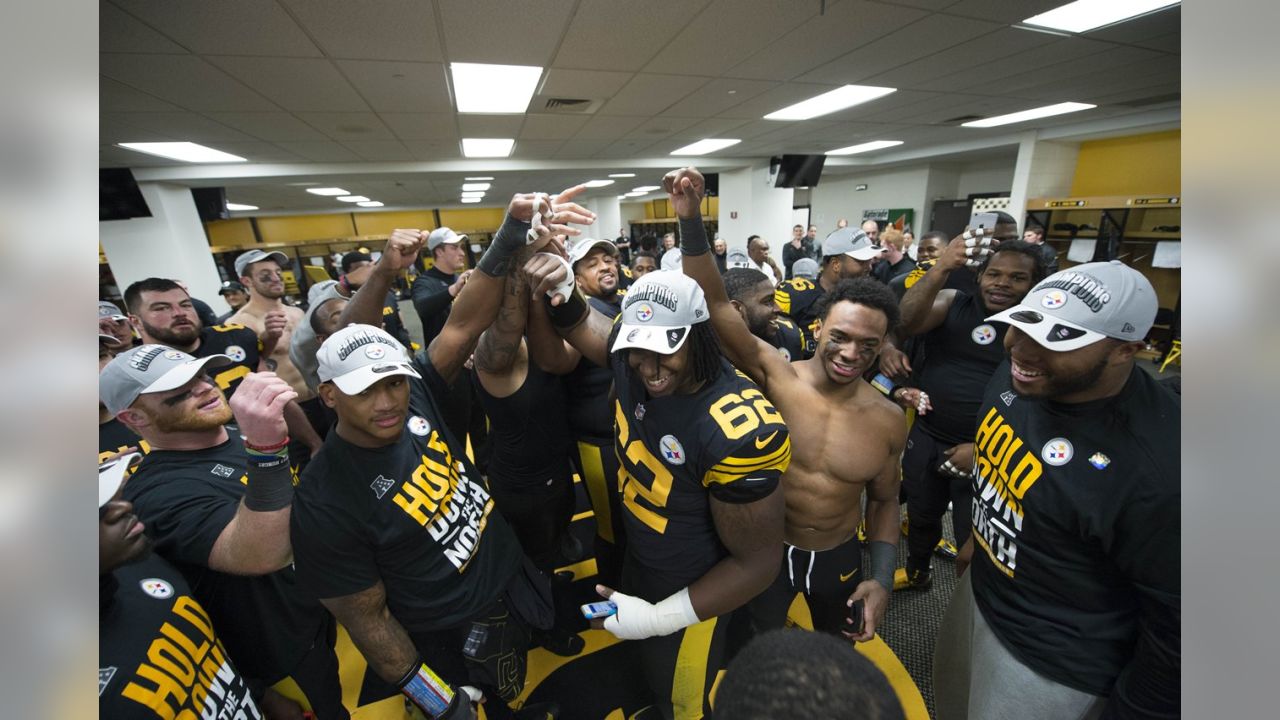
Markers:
point(477, 178)
point(598, 183)
point(328, 191)
point(865, 147)
point(473, 187)
point(238, 206)
point(353, 198)
point(636, 194)
point(829, 102)
point(1032, 114)
point(487, 147)
point(493, 89)
point(621, 175)
point(1085, 15)
point(646, 188)
point(184, 151)
point(369, 203)
point(471, 200)
point(703, 147)
point(473, 194)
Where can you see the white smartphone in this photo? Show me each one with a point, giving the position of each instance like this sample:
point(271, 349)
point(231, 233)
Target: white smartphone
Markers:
point(985, 220)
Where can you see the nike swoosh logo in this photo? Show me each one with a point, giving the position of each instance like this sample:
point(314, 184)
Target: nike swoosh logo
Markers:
point(845, 578)
point(761, 443)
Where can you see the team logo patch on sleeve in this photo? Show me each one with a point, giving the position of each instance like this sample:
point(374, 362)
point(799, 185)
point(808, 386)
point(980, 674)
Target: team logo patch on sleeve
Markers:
point(156, 588)
point(419, 426)
point(222, 470)
point(235, 352)
point(672, 450)
point(104, 678)
point(381, 485)
point(1054, 299)
point(1008, 396)
point(984, 334)
point(1057, 451)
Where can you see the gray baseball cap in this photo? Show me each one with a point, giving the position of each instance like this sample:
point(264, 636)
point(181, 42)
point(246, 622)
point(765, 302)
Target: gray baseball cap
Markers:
point(852, 242)
point(111, 476)
point(245, 259)
point(357, 356)
point(1084, 304)
point(578, 248)
point(738, 259)
point(805, 268)
point(149, 369)
point(443, 236)
point(109, 310)
point(658, 312)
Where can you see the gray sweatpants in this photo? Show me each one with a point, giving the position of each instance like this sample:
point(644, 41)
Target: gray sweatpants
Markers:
point(975, 676)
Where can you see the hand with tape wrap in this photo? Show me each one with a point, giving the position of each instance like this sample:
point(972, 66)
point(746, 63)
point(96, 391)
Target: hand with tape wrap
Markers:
point(968, 249)
point(550, 215)
point(638, 619)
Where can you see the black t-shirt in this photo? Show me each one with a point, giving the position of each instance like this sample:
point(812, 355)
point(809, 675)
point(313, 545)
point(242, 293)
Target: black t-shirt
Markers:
point(677, 452)
point(791, 341)
point(963, 353)
point(391, 321)
point(796, 299)
point(589, 385)
point(204, 312)
point(884, 272)
point(414, 514)
point(186, 498)
point(236, 342)
point(158, 653)
point(1077, 525)
point(529, 436)
point(433, 302)
point(116, 437)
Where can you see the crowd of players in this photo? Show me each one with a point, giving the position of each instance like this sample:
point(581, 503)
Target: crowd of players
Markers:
point(740, 439)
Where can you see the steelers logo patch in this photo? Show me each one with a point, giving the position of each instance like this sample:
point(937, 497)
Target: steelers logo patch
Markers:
point(419, 426)
point(173, 355)
point(1057, 451)
point(1054, 299)
point(644, 313)
point(984, 334)
point(672, 450)
point(375, 352)
point(235, 352)
point(156, 588)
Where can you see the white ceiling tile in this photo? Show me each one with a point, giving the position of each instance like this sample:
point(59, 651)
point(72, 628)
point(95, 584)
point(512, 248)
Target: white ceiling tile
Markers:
point(111, 156)
point(1156, 24)
point(348, 126)
point(184, 80)
point(726, 33)
point(823, 38)
point(399, 86)
point(120, 32)
point(612, 35)
point(182, 126)
point(260, 151)
point(989, 75)
point(719, 95)
point(320, 151)
point(713, 127)
point(433, 150)
point(422, 126)
point(649, 94)
point(993, 46)
point(602, 127)
point(775, 98)
point(378, 150)
point(114, 97)
point(581, 148)
point(662, 126)
point(225, 27)
point(383, 30)
point(552, 127)
point(1002, 10)
point(272, 127)
point(510, 32)
point(536, 149)
point(591, 84)
point(118, 128)
point(921, 38)
point(295, 84)
point(490, 126)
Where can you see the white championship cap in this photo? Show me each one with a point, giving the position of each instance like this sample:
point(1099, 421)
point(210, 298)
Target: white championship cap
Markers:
point(659, 311)
point(358, 356)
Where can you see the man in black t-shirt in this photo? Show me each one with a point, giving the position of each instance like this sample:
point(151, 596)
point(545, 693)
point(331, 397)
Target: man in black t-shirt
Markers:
point(963, 351)
point(1072, 604)
point(158, 654)
point(751, 294)
point(217, 506)
point(393, 527)
point(356, 267)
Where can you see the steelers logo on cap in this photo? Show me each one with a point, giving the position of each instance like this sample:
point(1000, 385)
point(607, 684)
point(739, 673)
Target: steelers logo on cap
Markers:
point(173, 355)
point(984, 334)
point(375, 352)
point(644, 312)
point(235, 352)
point(1054, 299)
point(156, 588)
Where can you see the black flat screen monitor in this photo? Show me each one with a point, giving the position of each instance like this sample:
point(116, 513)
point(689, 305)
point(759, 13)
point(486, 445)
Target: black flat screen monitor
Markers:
point(118, 195)
point(799, 170)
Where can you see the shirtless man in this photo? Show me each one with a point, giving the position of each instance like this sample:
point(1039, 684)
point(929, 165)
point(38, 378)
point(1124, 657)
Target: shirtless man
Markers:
point(847, 437)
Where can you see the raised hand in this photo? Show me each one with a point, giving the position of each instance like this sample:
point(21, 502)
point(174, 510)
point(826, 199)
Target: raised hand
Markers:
point(258, 406)
point(875, 599)
point(549, 273)
point(401, 250)
point(550, 214)
point(685, 188)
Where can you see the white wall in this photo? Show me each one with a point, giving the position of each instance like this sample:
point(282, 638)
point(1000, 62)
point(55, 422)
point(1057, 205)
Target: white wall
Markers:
point(169, 244)
point(608, 217)
point(835, 198)
point(762, 209)
point(985, 177)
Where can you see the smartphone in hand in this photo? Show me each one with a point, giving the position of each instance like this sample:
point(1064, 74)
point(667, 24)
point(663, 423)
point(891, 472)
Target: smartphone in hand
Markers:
point(855, 618)
point(601, 609)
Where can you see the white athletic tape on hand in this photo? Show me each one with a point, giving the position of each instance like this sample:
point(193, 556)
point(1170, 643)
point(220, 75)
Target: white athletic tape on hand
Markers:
point(473, 693)
point(922, 402)
point(565, 288)
point(637, 619)
point(535, 224)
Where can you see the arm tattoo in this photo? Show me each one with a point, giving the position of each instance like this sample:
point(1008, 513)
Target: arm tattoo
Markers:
point(378, 635)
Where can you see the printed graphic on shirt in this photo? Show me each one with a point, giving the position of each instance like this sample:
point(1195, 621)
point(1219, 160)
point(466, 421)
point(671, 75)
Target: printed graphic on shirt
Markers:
point(984, 334)
point(1006, 471)
point(441, 498)
point(104, 678)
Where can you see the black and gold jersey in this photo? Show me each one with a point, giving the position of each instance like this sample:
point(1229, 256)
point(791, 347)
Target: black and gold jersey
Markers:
point(792, 341)
point(677, 452)
point(116, 437)
point(237, 342)
point(963, 279)
point(796, 299)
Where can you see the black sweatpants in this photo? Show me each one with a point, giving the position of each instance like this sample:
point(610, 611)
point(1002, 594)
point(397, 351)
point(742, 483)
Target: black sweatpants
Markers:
point(826, 577)
point(539, 515)
point(928, 492)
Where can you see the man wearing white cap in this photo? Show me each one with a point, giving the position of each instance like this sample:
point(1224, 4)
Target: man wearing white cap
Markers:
point(115, 323)
point(846, 253)
point(1072, 604)
point(217, 505)
point(150, 627)
point(435, 289)
point(701, 451)
point(393, 527)
point(847, 437)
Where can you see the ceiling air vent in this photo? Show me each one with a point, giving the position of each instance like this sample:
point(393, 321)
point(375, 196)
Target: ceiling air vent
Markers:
point(571, 106)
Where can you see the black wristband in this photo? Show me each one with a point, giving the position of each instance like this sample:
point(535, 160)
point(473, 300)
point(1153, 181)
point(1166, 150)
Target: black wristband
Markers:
point(570, 312)
point(270, 486)
point(506, 243)
point(884, 560)
point(693, 237)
